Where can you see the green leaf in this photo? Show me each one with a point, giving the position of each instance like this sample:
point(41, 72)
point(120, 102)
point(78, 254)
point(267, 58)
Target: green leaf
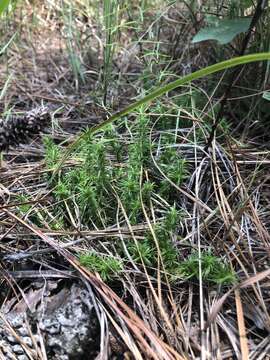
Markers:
point(246, 3)
point(3, 5)
point(266, 95)
point(223, 31)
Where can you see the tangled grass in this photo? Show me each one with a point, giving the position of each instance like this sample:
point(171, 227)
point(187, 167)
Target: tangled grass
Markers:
point(172, 240)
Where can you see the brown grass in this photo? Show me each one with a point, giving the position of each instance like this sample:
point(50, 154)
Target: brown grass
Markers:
point(226, 198)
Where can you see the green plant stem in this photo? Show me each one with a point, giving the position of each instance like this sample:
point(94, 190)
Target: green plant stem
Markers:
point(261, 4)
point(165, 89)
point(3, 5)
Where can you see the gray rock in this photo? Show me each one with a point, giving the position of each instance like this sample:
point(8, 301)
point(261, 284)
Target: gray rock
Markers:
point(17, 349)
point(67, 322)
point(11, 339)
point(23, 357)
point(28, 341)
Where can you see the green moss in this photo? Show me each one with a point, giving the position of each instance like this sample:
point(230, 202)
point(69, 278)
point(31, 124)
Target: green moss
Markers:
point(107, 266)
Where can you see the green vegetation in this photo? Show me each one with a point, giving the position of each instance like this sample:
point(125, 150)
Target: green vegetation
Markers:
point(95, 185)
point(106, 266)
point(213, 270)
point(152, 172)
point(52, 152)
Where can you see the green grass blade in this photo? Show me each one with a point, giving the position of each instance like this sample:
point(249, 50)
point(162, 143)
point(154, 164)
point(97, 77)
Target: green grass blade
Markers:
point(4, 48)
point(5, 87)
point(3, 5)
point(110, 19)
point(165, 89)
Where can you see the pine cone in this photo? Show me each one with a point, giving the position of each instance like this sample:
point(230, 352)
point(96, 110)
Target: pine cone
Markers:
point(19, 129)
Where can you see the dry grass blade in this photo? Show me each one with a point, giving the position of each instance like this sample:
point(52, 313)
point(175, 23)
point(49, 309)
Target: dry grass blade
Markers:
point(133, 322)
point(241, 326)
point(30, 352)
point(248, 282)
point(154, 230)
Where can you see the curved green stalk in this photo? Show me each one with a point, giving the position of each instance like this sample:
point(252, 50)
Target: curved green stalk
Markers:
point(164, 89)
point(3, 5)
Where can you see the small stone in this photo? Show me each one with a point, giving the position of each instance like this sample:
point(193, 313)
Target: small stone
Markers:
point(17, 321)
point(11, 339)
point(66, 322)
point(22, 357)
point(23, 331)
point(28, 341)
point(49, 327)
point(18, 349)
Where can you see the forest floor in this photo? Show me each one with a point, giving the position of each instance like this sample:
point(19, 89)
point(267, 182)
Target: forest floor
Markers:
point(143, 243)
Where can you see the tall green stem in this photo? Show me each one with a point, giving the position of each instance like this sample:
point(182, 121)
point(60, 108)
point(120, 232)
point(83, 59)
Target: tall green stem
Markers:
point(165, 89)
